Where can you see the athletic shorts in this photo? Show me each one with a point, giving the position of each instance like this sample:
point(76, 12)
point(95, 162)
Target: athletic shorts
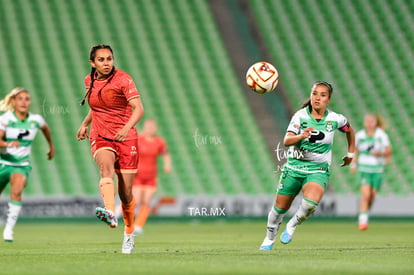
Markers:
point(372, 179)
point(292, 181)
point(144, 181)
point(6, 171)
point(126, 153)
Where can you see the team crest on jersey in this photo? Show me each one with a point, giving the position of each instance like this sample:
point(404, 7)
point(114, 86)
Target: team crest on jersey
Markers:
point(329, 126)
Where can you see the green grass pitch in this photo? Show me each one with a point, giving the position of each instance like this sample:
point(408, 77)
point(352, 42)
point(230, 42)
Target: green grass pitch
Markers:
point(319, 247)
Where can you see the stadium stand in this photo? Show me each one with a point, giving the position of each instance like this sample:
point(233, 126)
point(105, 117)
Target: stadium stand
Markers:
point(365, 52)
point(174, 52)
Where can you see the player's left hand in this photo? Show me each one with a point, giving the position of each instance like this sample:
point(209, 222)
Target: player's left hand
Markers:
point(121, 135)
point(51, 153)
point(346, 161)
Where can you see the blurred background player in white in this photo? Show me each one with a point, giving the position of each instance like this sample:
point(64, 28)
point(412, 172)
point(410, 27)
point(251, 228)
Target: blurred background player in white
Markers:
point(373, 151)
point(18, 129)
point(151, 146)
point(309, 137)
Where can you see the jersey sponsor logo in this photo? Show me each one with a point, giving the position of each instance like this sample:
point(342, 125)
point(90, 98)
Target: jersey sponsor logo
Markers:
point(315, 136)
point(23, 133)
point(133, 150)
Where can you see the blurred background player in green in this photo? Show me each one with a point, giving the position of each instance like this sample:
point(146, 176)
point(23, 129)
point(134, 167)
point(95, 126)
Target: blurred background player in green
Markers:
point(309, 136)
point(18, 129)
point(373, 151)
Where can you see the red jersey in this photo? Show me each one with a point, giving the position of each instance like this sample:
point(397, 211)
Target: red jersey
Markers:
point(109, 105)
point(149, 150)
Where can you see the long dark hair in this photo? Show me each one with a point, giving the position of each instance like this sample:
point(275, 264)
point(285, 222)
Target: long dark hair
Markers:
point(92, 55)
point(319, 82)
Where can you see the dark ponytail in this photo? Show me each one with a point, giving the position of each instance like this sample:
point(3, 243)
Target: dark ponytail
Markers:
point(306, 103)
point(92, 54)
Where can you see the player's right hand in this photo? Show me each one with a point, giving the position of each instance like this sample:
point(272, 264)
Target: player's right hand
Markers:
point(307, 132)
point(82, 133)
point(14, 143)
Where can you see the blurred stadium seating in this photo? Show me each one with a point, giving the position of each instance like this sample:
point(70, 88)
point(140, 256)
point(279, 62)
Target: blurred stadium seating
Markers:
point(365, 49)
point(174, 51)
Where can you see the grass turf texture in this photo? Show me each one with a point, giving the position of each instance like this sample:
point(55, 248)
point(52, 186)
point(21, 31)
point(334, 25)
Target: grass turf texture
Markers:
point(319, 247)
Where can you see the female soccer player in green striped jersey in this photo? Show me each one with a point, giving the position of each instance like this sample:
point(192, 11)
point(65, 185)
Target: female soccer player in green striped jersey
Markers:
point(309, 137)
point(18, 128)
point(373, 150)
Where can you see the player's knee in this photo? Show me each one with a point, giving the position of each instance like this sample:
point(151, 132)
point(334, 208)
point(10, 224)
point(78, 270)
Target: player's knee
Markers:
point(106, 170)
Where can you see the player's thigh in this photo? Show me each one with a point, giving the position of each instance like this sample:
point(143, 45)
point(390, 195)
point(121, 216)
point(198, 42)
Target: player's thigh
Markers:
point(376, 179)
point(290, 182)
point(105, 160)
point(5, 174)
point(315, 186)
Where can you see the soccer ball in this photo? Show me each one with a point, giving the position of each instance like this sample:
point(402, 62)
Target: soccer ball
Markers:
point(262, 77)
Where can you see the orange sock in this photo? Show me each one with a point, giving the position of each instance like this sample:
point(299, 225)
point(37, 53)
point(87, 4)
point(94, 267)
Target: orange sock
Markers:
point(142, 216)
point(128, 214)
point(107, 188)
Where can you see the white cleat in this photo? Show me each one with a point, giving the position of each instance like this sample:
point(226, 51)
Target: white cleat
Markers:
point(128, 244)
point(267, 244)
point(138, 231)
point(8, 234)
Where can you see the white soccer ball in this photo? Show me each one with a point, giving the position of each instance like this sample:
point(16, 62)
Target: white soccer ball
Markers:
point(262, 77)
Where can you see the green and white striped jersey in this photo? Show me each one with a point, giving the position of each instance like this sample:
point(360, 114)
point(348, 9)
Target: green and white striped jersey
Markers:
point(366, 145)
point(314, 153)
point(23, 131)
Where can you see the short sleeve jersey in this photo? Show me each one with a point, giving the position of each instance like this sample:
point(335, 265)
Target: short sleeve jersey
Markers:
point(108, 101)
point(149, 150)
point(366, 145)
point(318, 147)
point(23, 131)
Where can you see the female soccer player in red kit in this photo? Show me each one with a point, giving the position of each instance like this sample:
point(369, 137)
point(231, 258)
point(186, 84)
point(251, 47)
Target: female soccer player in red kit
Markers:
point(115, 108)
point(151, 146)
point(145, 183)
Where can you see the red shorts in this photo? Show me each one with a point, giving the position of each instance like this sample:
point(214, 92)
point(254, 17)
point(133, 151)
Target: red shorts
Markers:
point(145, 181)
point(126, 153)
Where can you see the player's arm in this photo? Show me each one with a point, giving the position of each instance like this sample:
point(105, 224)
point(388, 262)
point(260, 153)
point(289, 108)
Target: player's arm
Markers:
point(137, 114)
point(354, 163)
point(3, 143)
point(83, 129)
point(167, 162)
point(350, 137)
point(387, 154)
point(292, 138)
point(46, 132)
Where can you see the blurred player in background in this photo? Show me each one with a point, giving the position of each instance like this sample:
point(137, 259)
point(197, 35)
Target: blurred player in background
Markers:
point(374, 151)
point(18, 129)
point(309, 137)
point(145, 183)
point(115, 108)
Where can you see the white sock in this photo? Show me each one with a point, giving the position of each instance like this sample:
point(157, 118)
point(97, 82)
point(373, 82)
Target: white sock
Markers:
point(363, 218)
point(13, 214)
point(306, 209)
point(274, 219)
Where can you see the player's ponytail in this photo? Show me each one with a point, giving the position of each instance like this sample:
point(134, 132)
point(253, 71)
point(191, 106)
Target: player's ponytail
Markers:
point(380, 121)
point(92, 54)
point(6, 103)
